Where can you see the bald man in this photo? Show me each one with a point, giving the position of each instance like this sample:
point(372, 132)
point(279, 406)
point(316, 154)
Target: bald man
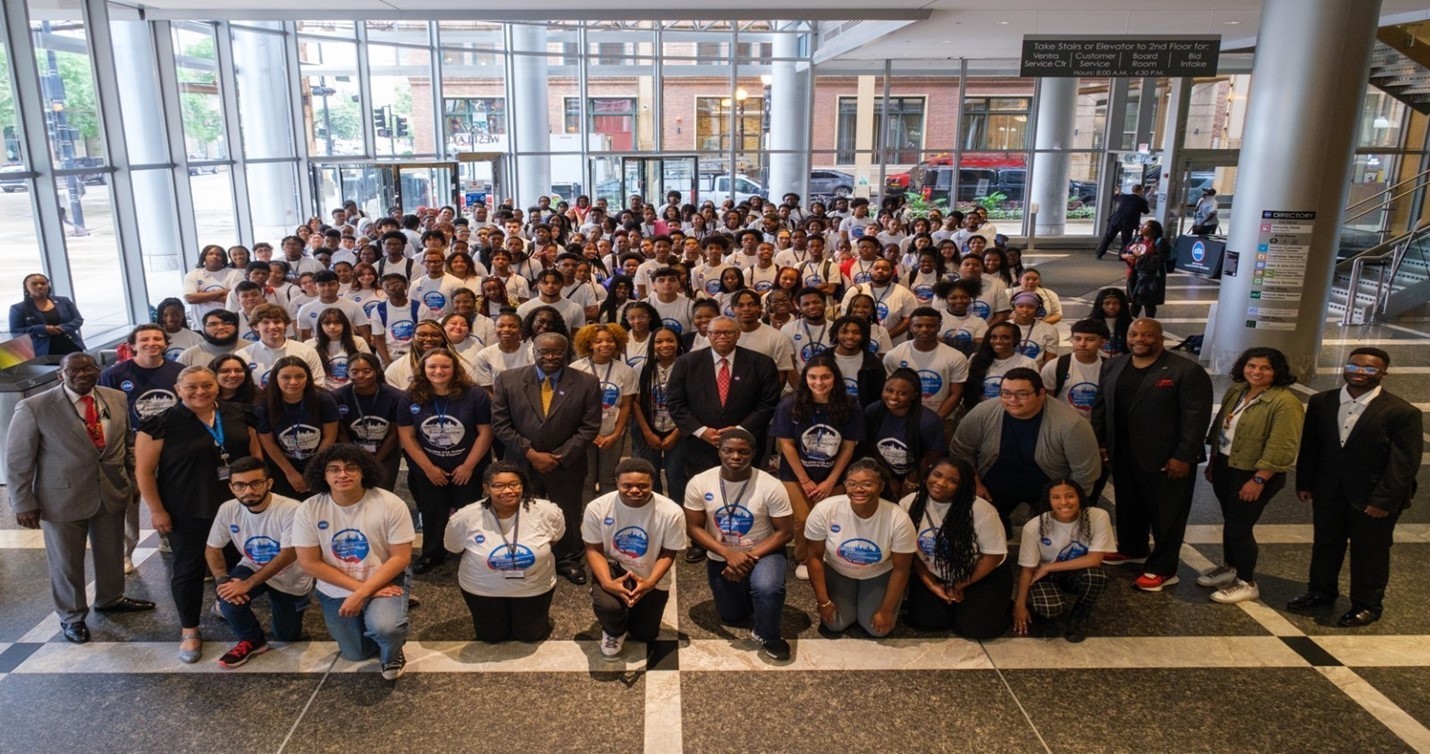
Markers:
point(1151, 419)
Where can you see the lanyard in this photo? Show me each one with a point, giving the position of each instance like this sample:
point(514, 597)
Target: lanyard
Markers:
point(813, 340)
point(515, 537)
point(728, 507)
point(357, 401)
point(216, 432)
point(1242, 404)
point(289, 415)
point(440, 411)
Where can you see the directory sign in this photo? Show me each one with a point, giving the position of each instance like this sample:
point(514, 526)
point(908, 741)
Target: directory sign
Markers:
point(1278, 269)
point(1132, 56)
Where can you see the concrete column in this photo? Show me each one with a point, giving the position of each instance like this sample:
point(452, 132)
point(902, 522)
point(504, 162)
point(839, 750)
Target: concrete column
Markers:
point(1174, 131)
point(789, 120)
point(262, 88)
point(533, 124)
point(1057, 115)
point(1312, 64)
point(863, 135)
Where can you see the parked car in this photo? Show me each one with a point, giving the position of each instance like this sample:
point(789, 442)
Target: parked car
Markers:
point(824, 182)
point(10, 180)
point(716, 188)
point(935, 182)
point(201, 169)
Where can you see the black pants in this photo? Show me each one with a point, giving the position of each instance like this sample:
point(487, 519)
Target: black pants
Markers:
point(498, 619)
point(1095, 496)
point(1149, 502)
point(1136, 310)
point(1127, 231)
point(1238, 516)
point(641, 622)
point(1336, 522)
point(186, 577)
point(436, 505)
point(563, 487)
point(983, 613)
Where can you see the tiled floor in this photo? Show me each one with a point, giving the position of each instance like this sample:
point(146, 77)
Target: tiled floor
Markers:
point(1162, 672)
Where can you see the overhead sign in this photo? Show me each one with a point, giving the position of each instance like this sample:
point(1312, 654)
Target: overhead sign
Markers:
point(1140, 56)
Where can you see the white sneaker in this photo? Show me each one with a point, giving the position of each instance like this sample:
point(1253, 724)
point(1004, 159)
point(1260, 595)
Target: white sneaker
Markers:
point(611, 646)
point(128, 566)
point(1222, 575)
point(1238, 591)
point(801, 572)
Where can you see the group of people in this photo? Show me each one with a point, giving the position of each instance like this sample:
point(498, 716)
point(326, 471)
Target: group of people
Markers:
point(573, 391)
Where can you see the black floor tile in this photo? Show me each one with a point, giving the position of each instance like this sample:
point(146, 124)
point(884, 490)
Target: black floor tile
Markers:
point(24, 591)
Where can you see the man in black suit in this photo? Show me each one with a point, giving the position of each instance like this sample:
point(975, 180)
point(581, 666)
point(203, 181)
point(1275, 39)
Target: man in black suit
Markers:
point(1360, 451)
point(1151, 420)
point(546, 417)
point(1127, 212)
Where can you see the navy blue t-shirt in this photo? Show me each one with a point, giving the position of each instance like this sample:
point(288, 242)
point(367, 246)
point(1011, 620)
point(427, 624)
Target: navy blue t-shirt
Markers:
point(150, 392)
point(369, 419)
point(298, 427)
point(890, 439)
point(446, 427)
point(818, 439)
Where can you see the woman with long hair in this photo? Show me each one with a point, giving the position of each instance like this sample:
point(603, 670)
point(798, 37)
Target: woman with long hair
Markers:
point(446, 433)
point(863, 306)
point(366, 290)
point(655, 436)
point(1061, 574)
point(170, 315)
point(1146, 259)
point(817, 428)
point(367, 414)
point(639, 318)
point(52, 322)
point(622, 293)
point(995, 357)
point(962, 580)
point(461, 266)
point(494, 298)
point(600, 347)
point(427, 335)
point(995, 263)
point(862, 371)
point(1112, 307)
point(901, 432)
point(235, 379)
point(336, 344)
point(295, 421)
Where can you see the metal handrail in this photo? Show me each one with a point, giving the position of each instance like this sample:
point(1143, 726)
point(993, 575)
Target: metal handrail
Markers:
point(1422, 174)
point(1396, 254)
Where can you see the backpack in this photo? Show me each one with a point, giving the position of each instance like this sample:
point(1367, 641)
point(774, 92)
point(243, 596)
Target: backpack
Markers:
point(1060, 374)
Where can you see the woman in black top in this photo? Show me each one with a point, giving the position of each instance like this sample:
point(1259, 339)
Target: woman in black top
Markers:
point(51, 322)
point(181, 466)
point(235, 379)
point(295, 421)
point(367, 414)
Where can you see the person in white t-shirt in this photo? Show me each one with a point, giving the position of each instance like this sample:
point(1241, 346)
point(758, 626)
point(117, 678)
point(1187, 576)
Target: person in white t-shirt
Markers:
point(892, 302)
point(942, 369)
point(962, 579)
point(271, 323)
point(857, 224)
point(356, 540)
point(1076, 378)
point(861, 549)
point(743, 518)
point(507, 573)
point(206, 287)
point(631, 536)
point(433, 291)
point(1037, 339)
point(1061, 558)
point(600, 346)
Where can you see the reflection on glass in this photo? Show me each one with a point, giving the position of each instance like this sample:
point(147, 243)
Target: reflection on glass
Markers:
point(201, 107)
point(332, 110)
point(213, 207)
point(261, 71)
point(401, 128)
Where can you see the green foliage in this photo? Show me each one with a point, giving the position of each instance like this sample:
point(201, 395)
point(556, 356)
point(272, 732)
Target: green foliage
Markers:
point(915, 206)
point(993, 201)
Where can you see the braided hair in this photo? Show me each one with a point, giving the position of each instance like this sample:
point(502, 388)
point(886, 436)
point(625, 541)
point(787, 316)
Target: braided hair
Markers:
point(1084, 521)
point(955, 549)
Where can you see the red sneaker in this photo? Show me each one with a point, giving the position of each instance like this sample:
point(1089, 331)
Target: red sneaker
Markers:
point(1117, 558)
point(1151, 582)
point(240, 653)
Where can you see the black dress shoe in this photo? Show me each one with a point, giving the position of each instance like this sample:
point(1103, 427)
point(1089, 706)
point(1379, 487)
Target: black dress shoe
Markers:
point(694, 554)
point(75, 633)
point(573, 574)
point(1358, 618)
point(126, 605)
point(1308, 600)
point(424, 565)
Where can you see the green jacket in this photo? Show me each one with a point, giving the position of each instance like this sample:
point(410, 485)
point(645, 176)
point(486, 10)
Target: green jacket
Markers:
point(1268, 435)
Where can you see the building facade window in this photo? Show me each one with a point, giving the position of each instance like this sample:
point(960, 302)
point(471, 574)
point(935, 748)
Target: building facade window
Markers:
point(612, 117)
point(904, 129)
point(472, 121)
point(995, 124)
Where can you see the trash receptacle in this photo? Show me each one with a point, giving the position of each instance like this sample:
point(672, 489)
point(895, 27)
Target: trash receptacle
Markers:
point(22, 381)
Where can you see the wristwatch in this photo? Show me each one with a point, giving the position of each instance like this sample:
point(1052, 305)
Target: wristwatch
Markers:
point(1258, 479)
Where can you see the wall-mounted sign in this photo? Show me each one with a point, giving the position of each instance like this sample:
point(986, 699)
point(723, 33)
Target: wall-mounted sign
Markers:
point(1139, 56)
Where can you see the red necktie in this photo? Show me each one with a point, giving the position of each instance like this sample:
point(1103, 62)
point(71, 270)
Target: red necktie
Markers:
point(722, 380)
point(91, 421)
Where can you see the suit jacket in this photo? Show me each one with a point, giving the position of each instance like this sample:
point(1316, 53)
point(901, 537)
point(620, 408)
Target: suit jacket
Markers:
point(1171, 411)
point(694, 399)
point(574, 422)
point(52, 462)
point(26, 319)
point(1378, 463)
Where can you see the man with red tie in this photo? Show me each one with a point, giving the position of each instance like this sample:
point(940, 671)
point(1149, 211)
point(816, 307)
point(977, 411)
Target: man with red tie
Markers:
point(67, 459)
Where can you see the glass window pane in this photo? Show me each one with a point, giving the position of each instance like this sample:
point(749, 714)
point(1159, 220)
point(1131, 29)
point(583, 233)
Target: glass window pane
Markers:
point(213, 204)
point(471, 35)
point(8, 124)
point(199, 100)
point(67, 84)
point(273, 200)
point(261, 70)
point(158, 234)
point(93, 253)
point(341, 29)
point(20, 254)
point(401, 75)
point(332, 112)
point(398, 32)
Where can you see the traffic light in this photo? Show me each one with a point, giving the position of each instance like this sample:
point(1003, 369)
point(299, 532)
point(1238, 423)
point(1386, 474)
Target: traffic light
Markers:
point(401, 124)
point(379, 122)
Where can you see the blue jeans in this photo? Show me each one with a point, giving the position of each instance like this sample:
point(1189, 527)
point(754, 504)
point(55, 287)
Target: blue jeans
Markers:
point(381, 628)
point(287, 611)
point(761, 593)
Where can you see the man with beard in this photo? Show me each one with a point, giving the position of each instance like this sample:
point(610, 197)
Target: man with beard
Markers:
point(220, 334)
point(260, 524)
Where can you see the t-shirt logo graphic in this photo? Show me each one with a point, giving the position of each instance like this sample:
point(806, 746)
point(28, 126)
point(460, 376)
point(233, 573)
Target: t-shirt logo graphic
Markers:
point(1072, 551)
point(980, 309)
point(820, 444)
point(154, 402)
point(261, 549)
point(860, 552)
point(300, 440)
point(632, 542)
point(434, 300)
point(501, 558)
point(740, 521)
point(443, 432)
point(895, 453)
point(927, 539)
point(350, 546)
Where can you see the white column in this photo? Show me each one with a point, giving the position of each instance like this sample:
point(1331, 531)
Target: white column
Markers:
point(263, 88)
point(533, 126)
point(1057, 114)
point(789, 120)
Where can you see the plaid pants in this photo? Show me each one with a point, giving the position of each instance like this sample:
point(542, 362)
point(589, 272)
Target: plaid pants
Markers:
point(1059, 592)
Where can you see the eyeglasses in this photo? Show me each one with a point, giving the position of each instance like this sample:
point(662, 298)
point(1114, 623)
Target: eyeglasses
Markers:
point(1358, 369)
point(503, 486)
point(335, 469)
point(1019, 395)
point(852, 485)
point(257, 486)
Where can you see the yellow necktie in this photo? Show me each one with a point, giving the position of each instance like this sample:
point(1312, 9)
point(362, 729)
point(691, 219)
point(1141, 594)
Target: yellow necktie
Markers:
point(548, 390)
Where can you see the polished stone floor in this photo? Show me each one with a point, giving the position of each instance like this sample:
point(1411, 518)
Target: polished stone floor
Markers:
point(1168, 672)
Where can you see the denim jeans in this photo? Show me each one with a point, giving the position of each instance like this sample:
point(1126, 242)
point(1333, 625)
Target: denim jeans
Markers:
point(857, 600)
point(287, 611)
point(381, 628)
point(761, 593)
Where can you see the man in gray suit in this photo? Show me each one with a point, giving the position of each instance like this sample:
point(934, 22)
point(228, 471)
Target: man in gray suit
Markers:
point(67, 457)
point(546, 416)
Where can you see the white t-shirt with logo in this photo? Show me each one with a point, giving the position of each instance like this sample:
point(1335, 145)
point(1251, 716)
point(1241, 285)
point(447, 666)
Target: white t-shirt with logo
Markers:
point(634, 537)
point(260, 537)
point(1037, 339)
point(737, 514)
point(808, 340)
point(493, 551)
point(770, 342)
point(492, 361)
point(617, 381)
point(938, 369)
point(261, 359)
point(202, 280)
point(1082, 386)
point(860, 548)
point(992, 300)
point(962, 332)
point(308, 315)
point(355, 539)
point(993, 378)
point(434, 297)
point(987, 529)
point(1064, 541)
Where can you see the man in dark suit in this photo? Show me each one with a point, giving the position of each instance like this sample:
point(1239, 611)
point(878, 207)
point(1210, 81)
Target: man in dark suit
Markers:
point(546, 417)
point(1360, 450)
point(1127, 212)
point(1151, 420)
point(67, 456)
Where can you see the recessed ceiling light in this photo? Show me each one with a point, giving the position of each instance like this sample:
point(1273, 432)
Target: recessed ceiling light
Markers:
point(948, 41)
point(1002, 23)
point(1232, 23)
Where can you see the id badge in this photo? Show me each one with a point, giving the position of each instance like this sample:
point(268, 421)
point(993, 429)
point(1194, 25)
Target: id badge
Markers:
point(223, 473)
point(370, 447)
point(732, 540)
point(517, 575)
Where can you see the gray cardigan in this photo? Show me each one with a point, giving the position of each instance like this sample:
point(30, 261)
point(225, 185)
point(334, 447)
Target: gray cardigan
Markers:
point(1067, 446)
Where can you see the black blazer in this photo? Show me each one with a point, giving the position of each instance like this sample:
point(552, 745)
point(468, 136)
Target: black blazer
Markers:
point(1172, 411)
point(1380, 459)
point(694, 399)
point(575, 415)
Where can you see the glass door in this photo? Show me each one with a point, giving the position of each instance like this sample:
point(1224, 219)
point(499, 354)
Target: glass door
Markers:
point(481, 177)
point(1201, 169)
point(426, 185)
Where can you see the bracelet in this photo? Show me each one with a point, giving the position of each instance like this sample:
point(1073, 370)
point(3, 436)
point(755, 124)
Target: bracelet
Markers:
point(823, 605)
